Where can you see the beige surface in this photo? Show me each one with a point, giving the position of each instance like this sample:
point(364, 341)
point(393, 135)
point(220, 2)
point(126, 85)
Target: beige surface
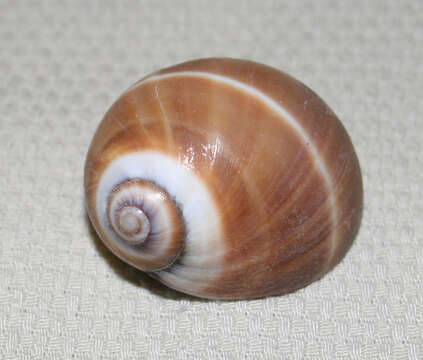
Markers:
point(62, 64)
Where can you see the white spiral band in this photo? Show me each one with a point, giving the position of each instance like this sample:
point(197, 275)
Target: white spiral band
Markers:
point(204, 247)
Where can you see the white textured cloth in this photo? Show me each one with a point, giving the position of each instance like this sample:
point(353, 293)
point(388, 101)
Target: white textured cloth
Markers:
point(63, 63)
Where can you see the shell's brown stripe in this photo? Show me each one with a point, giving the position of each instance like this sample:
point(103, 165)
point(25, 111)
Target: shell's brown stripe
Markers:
point(283, 194)
point(278, 279)
point(151, 110)
point(162, 113)
point(278, 245)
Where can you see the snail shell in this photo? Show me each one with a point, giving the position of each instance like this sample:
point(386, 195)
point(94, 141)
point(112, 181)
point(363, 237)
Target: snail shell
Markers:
point(224, 178)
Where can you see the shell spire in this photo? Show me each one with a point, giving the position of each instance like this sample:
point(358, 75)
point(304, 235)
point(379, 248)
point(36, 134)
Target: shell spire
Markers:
point(146, 224)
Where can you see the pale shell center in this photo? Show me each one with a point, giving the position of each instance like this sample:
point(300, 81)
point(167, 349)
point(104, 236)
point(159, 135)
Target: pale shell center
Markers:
point(133, 224)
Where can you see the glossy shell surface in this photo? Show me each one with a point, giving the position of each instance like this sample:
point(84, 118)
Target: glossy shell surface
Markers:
point(248, 182)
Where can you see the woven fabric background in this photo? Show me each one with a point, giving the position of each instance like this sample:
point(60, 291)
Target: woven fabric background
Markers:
point(63, 63)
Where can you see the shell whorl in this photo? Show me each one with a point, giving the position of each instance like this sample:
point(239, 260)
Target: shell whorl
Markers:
point(148, 225)
point(143, 181)
point(259, 174)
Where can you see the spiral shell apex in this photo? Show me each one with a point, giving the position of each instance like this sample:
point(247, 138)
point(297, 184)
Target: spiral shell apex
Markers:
point(224, 178)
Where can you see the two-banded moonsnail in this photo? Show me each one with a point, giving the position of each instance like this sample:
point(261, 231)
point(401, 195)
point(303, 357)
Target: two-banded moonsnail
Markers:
point(224, 178)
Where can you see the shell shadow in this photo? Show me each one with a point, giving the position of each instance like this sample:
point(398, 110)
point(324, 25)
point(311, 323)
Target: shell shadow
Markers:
point(134, 276)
